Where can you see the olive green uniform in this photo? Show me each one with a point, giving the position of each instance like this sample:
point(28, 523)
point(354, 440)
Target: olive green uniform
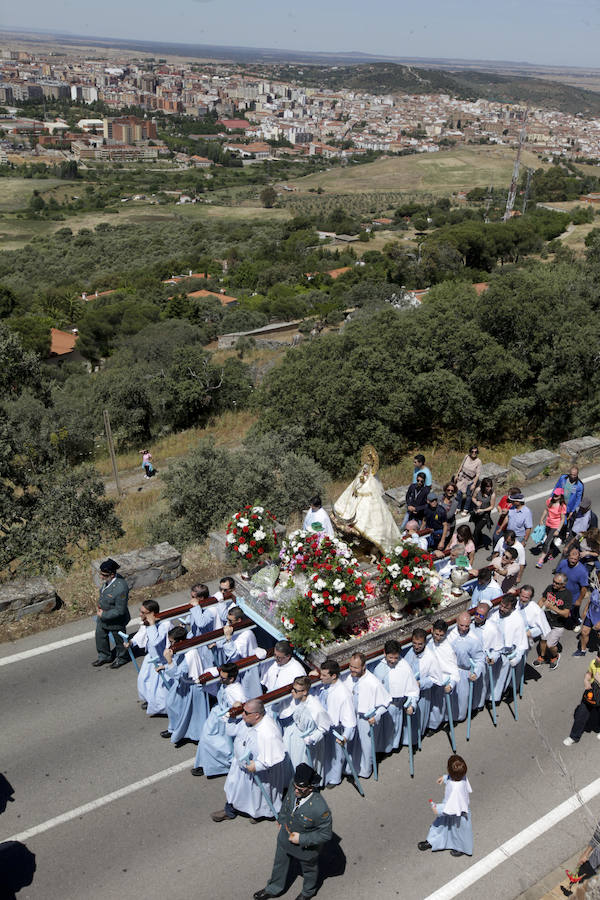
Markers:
point(113, 602)
point(312, 821)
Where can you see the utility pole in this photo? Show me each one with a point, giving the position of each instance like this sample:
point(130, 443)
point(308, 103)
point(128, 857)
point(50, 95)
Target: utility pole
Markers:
point(111, 450)
point(512, 191)
point(527, 187)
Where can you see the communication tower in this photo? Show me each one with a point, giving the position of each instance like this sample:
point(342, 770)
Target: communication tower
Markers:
point(512, 192)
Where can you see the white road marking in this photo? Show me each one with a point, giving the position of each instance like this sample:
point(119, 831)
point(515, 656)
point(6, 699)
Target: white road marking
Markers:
point(102, 801)
point(55, 645)
point(518, 842)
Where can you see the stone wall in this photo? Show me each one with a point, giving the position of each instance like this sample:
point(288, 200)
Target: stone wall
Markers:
point(145, 567)
point(26, 597)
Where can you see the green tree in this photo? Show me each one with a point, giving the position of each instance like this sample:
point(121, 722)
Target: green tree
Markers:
point(268, 196)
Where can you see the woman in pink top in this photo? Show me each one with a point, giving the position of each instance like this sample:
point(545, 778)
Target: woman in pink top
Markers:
point(463, 535)
point(553, 518)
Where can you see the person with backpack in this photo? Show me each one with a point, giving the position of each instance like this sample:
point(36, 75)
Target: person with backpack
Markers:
point(553, 519)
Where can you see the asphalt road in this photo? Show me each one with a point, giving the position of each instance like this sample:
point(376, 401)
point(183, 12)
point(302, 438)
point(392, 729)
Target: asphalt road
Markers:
point(73, 735)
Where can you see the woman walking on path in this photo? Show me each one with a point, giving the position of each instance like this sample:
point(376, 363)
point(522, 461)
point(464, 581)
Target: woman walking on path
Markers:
point(483, 502)
point(553, 518)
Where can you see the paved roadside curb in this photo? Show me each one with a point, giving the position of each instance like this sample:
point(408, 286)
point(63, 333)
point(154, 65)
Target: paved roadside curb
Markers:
point(549, 887)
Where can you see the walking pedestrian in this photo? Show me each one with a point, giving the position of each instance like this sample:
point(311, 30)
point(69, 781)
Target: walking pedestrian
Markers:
point(113, 615)
point(305, 826)
point(452, 829)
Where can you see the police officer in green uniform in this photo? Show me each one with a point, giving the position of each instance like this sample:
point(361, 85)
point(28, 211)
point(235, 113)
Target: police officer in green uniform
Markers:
point(113, 615)
point(304, 827)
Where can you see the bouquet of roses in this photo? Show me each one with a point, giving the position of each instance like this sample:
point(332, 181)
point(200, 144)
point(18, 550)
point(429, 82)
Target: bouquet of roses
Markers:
point(251, 535)
point(408, 574)
point(334, 584)
point(302, 550)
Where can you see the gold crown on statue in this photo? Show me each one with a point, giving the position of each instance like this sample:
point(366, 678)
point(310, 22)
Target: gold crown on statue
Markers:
point(370, 457)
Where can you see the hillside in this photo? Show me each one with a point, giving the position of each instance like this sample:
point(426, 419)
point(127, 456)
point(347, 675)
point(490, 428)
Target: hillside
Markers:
point(382, 78)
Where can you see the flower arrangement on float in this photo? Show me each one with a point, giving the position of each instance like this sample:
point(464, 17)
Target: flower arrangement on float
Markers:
point(251, 536)
point(408, 576)
point(330, 586)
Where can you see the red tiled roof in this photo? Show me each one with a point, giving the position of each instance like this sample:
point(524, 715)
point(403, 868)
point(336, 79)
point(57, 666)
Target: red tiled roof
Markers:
point(222, 298)
point(61, 342)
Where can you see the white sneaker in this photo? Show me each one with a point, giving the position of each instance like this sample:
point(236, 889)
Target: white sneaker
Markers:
point(569, 740)
point(577, 629)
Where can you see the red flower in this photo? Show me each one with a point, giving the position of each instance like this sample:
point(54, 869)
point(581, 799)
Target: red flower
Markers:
point(255, 517)
point(260, 550)
point(405, 570)
point(330, 609)
point(358, 581)
point(245, 529)
point(344, 596)
point(235, 547)
point(417, 559)
point(235, 530)
point(387, 581)
point(247, 507)
point(253, 543)
point(343, 610)
point(404, 554)
point(248, 556)
point(387, 560)
point(325, 594)
point(292, 621)
point(309, 593)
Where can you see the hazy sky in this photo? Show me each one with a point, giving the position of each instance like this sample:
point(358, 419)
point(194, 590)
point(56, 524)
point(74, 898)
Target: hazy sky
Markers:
point(559, 32)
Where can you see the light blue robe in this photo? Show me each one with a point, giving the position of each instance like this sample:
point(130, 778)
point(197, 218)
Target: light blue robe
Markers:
point(241, 645)
point(215, 746)
point(447, 660)
point(304, 728)
point(150, 685)
point(426, 670)
point(369, 696)
point(390, 733)
point(453, 832)
point(202, 620)
point(468, 649)
point(337, 702)
point(515, 647)
point(187, 703)
point(262, 744)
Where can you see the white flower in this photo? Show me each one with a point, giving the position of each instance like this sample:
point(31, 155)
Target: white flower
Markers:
point(243, 522)
point(259, 534)
point(320, 584)
point(231, 538)
point(258, 509)
point(338, 585)
point(243, 548)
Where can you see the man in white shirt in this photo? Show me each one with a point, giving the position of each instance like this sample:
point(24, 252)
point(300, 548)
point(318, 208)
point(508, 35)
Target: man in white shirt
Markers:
point(337, 700)
point(509, 539)
point(317, 519)
point(282, 669)
point(514, 637)
point(446, 658)
point(371, 700)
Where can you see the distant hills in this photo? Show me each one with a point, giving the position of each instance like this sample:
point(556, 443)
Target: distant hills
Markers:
point(387, 78)
point(361, 71)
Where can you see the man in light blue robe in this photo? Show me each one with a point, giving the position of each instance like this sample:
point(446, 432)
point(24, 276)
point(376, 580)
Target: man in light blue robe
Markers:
point(468, 647)
point(215, 746)
point(336, 699)
point(201, 619)
point(370, 703)
point(492, 642)
point(446, 657)
point(152, 636)
point(305, 724)
point(235, 645)
point(514, 637)
point(426, 669)
point(397, 677)
point(186, 703)
point(258, 756)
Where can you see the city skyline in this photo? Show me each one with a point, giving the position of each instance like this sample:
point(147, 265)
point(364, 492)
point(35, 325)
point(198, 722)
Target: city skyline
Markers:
point(548, 33)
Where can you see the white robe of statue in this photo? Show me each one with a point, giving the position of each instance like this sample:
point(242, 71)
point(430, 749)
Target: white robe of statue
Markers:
point(363, 508)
